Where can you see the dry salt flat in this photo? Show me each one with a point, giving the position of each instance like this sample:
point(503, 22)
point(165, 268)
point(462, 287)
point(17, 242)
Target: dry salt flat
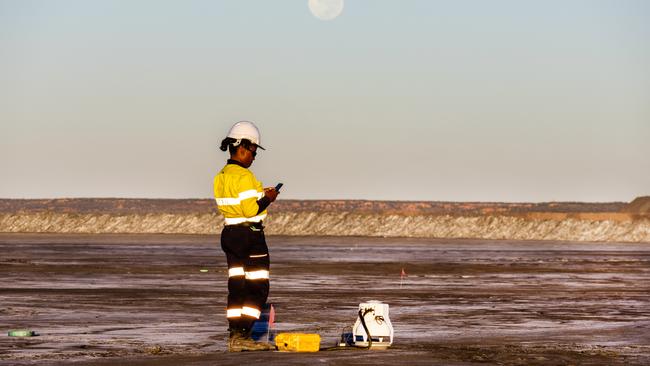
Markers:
point(142, 300)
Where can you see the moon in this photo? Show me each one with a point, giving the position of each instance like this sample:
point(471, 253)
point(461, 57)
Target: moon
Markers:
point(326, 9)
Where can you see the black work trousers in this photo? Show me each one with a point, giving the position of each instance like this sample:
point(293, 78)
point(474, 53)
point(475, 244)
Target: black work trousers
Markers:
point(248, 274)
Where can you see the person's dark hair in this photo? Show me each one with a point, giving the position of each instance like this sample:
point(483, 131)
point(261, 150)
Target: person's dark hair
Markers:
point(227, 144)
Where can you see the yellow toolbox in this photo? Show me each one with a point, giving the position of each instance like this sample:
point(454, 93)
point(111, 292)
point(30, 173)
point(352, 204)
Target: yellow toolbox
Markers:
point(297, 342)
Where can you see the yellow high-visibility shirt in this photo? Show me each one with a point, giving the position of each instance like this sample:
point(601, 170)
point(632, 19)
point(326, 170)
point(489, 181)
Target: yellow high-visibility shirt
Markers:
point(236, 191)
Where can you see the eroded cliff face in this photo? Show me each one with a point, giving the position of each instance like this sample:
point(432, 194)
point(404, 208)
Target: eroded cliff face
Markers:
point(573, 227)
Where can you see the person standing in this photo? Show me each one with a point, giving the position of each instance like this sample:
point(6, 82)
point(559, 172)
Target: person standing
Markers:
point(242, 200)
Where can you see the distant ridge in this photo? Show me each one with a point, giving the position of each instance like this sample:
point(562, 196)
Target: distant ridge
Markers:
point(640, 205)
point(140, 205)
point(569, 221)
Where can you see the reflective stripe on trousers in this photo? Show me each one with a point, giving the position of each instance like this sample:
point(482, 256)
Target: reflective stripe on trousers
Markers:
point(248, 274)
point(240, 220)
point(261, 274)
point(250, 311)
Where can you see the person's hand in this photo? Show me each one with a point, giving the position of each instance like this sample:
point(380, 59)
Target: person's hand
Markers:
point(271, 193)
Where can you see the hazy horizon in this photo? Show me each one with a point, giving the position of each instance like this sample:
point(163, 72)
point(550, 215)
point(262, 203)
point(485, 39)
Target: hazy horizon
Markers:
point(416, 100)
point(319, 199)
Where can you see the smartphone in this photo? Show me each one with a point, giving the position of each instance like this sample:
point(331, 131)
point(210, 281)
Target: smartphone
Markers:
point(277, 188)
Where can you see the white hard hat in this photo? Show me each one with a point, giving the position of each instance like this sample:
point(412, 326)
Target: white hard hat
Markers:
point(245, 130)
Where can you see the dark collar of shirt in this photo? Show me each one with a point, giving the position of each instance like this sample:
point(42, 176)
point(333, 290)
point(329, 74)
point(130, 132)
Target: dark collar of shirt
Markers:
point(232, 161)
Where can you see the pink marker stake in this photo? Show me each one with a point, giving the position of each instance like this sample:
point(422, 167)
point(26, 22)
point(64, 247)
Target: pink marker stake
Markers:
point(271, 321)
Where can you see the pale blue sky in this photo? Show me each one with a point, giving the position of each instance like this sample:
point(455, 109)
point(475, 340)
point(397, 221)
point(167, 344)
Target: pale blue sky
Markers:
point(400, 100)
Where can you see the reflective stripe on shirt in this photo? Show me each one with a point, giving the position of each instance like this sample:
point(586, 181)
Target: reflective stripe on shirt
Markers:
point(239, 220)
point(242, 196)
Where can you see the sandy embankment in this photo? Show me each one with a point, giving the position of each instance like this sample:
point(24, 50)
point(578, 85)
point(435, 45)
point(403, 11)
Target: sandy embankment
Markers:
point(554, 221)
